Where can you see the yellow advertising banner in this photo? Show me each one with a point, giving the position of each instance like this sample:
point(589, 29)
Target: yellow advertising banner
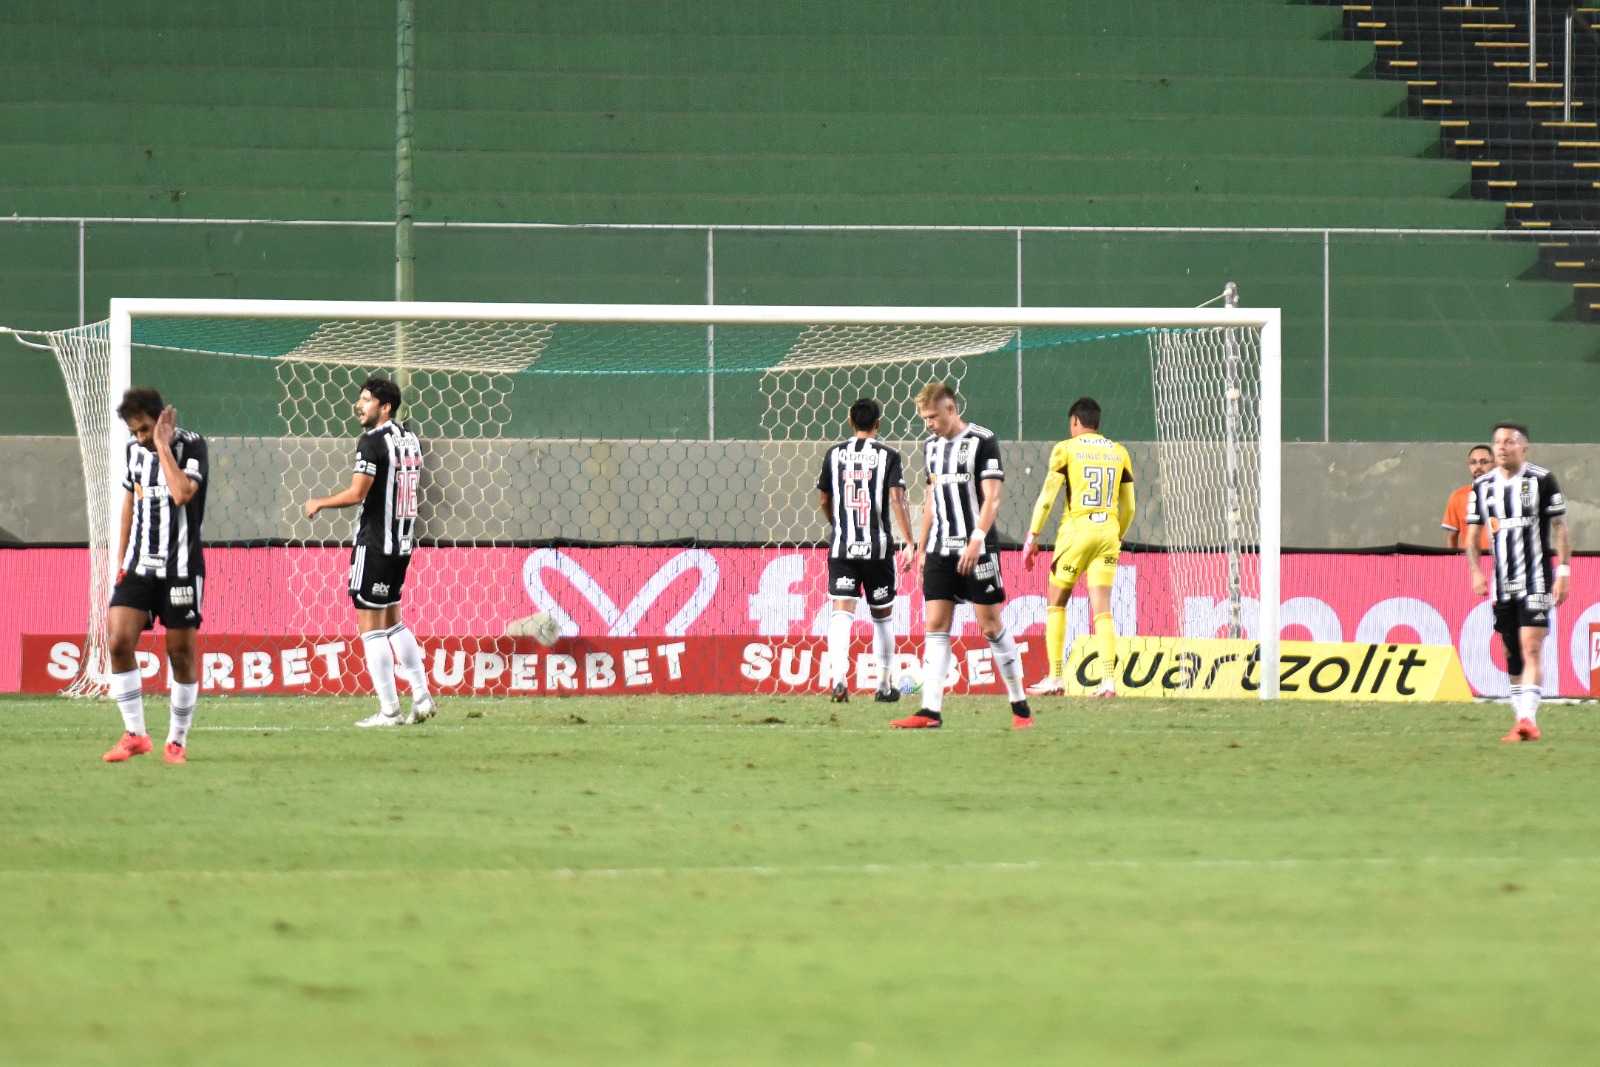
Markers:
point(1171, 667)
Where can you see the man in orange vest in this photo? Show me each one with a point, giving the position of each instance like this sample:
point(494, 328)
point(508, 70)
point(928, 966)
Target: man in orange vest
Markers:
point(1480, 460)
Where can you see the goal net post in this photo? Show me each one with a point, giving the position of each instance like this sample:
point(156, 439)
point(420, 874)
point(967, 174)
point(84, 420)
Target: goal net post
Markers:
point(564, 440)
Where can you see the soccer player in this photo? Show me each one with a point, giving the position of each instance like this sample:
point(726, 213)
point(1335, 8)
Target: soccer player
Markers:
point(958, 552)
point(1522, 503)
point(1098, 476)
point(860, 485)
point(387, 473)
point(162, 571)
point(1480, 460)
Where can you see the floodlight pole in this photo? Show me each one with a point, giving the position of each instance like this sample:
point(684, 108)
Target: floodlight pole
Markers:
point(405, 259)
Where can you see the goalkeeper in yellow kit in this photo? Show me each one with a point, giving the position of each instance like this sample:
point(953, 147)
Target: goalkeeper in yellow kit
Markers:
point(1098, 476)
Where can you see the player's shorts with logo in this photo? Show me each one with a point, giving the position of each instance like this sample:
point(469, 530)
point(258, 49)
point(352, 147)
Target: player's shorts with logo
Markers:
point(872, 578)
point(175, 601)
point(1531, 610)
point(1086, 546)
point(376, 579)
point(941, 580)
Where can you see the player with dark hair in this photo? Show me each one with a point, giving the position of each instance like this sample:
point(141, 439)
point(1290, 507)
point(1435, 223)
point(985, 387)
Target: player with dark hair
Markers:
point(861, 484)
point(385, 483)
point(1480, 460)
point(162, 569)
point(959, 552)
point(1522, 505)
point(1098, 476)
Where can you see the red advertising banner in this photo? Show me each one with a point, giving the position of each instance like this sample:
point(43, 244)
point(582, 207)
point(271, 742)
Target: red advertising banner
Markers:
point(238, 664)
point(626, 598)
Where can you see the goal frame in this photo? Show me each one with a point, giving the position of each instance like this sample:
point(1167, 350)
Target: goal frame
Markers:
point(123, 310)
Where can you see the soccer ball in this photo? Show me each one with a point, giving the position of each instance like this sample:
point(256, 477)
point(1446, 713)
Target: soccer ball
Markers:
point(909, 681)
point(540, 626)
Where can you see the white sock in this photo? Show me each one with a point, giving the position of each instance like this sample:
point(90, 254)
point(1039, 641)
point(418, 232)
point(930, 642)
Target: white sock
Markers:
point(1516, 700)
point(1530, 703)
point(127, 689)
point(839, 645)
point(1008, 664)
point(883, 649)
point(408, 660)
point(380, 665)
point(184, 697)
point(935, 666)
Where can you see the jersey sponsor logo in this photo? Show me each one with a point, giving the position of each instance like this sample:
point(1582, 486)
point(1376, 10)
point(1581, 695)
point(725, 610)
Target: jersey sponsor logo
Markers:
point(844, 581)
point(380, 588)
point(1098, 516)
point(880, 593)
point(993, 464)
point(149, 562)
point(950, 479)
point(1540, 602)
point(180, 596)
point(857, 551)
point(985, 570)
point(860, 459)
point(954, 544)
point(1556, 501)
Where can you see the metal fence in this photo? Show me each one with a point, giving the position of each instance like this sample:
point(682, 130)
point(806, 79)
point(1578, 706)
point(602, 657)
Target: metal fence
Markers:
point(1349, 296)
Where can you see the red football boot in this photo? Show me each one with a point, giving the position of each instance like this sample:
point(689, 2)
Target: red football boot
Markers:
point(129, 746)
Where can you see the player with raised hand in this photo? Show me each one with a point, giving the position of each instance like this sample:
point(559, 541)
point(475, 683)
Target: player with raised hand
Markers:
point(1523, 507)
point(959, 552)
point(861, 484)
point(1097, 474)
point(385, 483)
point(162, 569)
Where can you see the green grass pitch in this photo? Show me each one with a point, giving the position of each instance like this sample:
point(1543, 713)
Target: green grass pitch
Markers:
point(706, 881)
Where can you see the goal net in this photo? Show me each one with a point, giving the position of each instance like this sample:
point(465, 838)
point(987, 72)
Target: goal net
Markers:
point(647, 476)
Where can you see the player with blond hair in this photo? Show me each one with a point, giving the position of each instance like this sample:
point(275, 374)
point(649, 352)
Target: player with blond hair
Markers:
point(958, 552)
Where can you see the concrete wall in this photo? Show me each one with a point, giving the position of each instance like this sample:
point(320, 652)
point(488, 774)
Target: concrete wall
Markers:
point(1336, 496)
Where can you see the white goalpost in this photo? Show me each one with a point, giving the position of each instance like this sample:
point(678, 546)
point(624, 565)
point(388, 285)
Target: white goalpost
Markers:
point(642, 434)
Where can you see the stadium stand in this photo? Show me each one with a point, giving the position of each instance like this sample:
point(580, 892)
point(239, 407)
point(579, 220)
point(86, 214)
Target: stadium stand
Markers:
point(1468, 69)
point(1163, 113)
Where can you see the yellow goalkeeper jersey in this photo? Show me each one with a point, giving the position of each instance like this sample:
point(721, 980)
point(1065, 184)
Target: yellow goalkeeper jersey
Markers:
point(1093, 469)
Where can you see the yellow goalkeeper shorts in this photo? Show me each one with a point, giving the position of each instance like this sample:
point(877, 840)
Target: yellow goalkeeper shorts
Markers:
point(1085, 546)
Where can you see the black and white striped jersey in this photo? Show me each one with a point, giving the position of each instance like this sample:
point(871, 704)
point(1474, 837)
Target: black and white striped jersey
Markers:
point(956, 465)
point(391, 456)
point(164, 540)
point(858, 475)
point(1521, 507)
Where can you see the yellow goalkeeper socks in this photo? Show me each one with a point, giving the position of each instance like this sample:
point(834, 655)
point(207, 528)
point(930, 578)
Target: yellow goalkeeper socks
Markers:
point(1105, 635)
point(1055, 637)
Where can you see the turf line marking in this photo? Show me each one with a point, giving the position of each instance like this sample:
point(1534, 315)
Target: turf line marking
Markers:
point(769, 871)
